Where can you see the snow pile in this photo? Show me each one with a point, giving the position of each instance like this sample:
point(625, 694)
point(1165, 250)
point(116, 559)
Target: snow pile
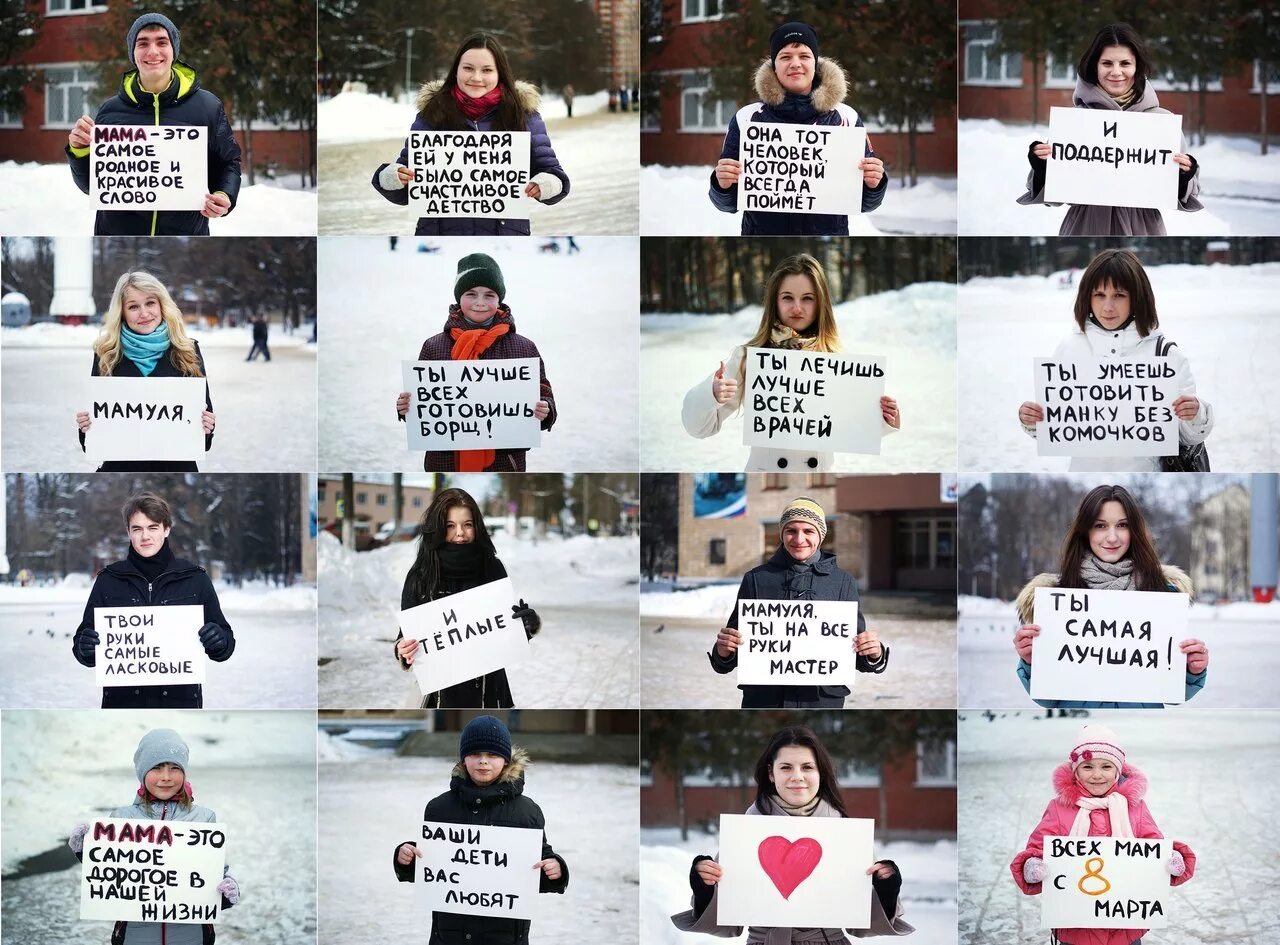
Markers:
point(82, 337)
point(713, 601)
point(331, 748)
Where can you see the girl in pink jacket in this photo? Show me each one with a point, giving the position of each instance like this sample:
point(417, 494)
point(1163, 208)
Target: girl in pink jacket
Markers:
point(1097, 794)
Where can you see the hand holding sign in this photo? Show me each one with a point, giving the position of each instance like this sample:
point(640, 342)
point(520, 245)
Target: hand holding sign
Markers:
point(81, 132)
point(727, 172)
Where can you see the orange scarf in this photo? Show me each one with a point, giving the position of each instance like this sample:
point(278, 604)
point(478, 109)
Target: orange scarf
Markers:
point(468, 345)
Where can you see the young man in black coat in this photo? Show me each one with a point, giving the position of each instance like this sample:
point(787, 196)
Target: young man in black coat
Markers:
point(161, 90)
point(152, 576)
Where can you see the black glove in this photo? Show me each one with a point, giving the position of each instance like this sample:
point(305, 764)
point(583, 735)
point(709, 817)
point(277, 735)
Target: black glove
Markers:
point(886, 890)
point(85, 646)
point(528, 616)
point(1184, 177)
point(216, 640)
point(1038, 167)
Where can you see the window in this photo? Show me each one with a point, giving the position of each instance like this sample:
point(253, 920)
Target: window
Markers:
point(936, 764)
point(651, 103)
point(982, 64)
point(362, 498)
point(417, 501)
point(380, 499)
point(320, 490)
point(1273, 78)
point(75, 6)
point(860, 773)
point(925, 541)
point(10, 119)
point(695, 10)
point(775, 481)
point(716, 551)
point(66, 90)
point(1059, 75)
point(698, 111)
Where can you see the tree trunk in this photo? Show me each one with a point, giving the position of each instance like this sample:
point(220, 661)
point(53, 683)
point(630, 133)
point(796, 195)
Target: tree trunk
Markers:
point(1263, 68)
point(681, 813)
point(913, 140)
point(246, 159)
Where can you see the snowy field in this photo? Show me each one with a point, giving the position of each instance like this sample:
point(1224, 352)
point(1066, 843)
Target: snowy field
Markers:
point(363, 904)
point(1240, 188)
point(1214, 785)
point(914, 327)
point(266, 411)
point(674, 202)
point(599, 150)
point(273, 665)
point(42, 200)
point(1230, 349)
point(928, 885)
point(377, 307)
point(584, 589)
point(256, 770)
point(1243, 660)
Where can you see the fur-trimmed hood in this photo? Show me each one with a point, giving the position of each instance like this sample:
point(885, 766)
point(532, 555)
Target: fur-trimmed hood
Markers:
point(831, 85)
point(528, 95)
point(514, 771)
point(1025, 603)
point(1132, 785)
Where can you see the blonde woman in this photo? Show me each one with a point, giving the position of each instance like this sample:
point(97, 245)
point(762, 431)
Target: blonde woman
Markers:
point(797, 315)
point(143, 336)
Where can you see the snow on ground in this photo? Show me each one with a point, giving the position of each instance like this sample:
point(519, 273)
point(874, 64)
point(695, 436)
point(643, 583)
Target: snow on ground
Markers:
point(1238, 187)
point(1229, 347)
point(674, 202)
point(377, 307)
point(928, 884)
point(256, 770)
point(42, 200)
point(266, 411)
point(1214, 785)
point(914, 327)
point(584, 589)
point(1243, 662)
point(363, 904)
point(273, 665)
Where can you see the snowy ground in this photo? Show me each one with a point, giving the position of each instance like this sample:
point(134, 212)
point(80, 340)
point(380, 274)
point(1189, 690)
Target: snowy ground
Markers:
point(1229, 348)
point(1243, 662)
point(674, 202)
point(914, 327)
point(273, 665)
point(266, 411)
point(1240, 188)
point(599, 150)
point(377, 307)
point(256, 770)
point(363, 904)
point(586, 655)
point(928, 885)
point(41, 200)
point(1214, 785)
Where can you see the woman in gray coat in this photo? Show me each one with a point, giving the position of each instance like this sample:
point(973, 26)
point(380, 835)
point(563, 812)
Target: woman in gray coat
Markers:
point(1113, 74)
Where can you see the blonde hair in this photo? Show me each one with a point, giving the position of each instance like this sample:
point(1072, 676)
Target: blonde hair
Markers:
point(108, 345)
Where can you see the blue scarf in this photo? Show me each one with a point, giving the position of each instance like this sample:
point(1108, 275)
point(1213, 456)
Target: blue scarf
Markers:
point(145, 350)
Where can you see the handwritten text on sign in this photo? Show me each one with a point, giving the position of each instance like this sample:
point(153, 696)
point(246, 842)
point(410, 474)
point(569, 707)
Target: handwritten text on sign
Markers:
point(473, 405)
point(146, 418)
point(152, 871)
point(809, 400)
point(149, 646)
point(795, 872)
point(464, 635)
point(1109, 646)
point(1105, 883)
point(801, 168)
point(797, 642)
point(480, 870)
point(1112, 158)
point(469, 173)
point(148, 167)
point(1106, 408)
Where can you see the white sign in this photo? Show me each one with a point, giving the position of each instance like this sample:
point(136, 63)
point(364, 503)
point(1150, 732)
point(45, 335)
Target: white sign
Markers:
point(473, 405)
point(797, 642)
point(479, 870)
point(148, 167)
point(810, 400)
point(149, 646)
point(1106, 408)
point(1109, 646)
point(152, 871)
point(464, 635)
point(1113, 159)
point(795, 872)
point(1105, 883)
point(146, 418)
point(800, 168)
point(469, 174)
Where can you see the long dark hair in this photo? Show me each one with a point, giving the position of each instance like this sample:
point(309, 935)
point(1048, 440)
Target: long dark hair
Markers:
point(442, 112)
point(803, 737)
point(1122, 269)
point(1117, 34)
point(1147, 573)
point(424, 576)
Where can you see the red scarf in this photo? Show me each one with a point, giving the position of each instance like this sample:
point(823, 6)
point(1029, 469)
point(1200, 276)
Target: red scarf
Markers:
point(477, 108)
point(468, 345)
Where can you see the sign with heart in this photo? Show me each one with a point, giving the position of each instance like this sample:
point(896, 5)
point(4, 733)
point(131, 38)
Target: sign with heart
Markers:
point(798, 872)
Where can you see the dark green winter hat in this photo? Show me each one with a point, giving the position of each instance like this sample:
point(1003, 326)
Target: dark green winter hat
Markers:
point(478, 270)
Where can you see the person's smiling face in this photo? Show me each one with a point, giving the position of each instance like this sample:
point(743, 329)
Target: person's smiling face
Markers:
point(794, 66)
point(1117, 67)
point(477, 72)
point(153, 54)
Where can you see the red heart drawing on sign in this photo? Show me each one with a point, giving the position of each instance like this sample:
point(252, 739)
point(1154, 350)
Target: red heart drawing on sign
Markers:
point(789, 863)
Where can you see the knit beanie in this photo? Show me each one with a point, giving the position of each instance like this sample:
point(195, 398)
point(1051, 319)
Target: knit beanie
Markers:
point(789, 33)
point(159, 746)
point(152, 19)
point(485, 733)
point(805, 509)
point(478, 269)
point(1096, 742)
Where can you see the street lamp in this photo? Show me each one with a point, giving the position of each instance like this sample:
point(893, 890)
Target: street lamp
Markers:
point(408, 58)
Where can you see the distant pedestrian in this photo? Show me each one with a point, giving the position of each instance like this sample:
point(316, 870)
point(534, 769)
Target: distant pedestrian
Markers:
point(573, 247)
point(260, 331)
point(567, 92)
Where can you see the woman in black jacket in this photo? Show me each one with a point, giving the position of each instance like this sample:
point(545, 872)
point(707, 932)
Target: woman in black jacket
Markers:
point(455, 553)
point(143, 335)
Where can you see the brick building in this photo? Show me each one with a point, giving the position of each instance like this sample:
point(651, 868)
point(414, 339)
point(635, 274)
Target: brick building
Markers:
point(374, 501)
point(619, 20)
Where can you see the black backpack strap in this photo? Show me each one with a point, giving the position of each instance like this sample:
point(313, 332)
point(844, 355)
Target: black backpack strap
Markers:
point(1163, 345)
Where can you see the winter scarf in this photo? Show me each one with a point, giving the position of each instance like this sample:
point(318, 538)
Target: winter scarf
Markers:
point(798, 581)
point(1104, 576)
point(460, 562)
point(468, 345)
point(772, 807)
point(802, 810)
point(1125, 100)
point(783, 336)
point(151, 568)
point(1115, 804)
point(145, 350)
point(477, 108)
